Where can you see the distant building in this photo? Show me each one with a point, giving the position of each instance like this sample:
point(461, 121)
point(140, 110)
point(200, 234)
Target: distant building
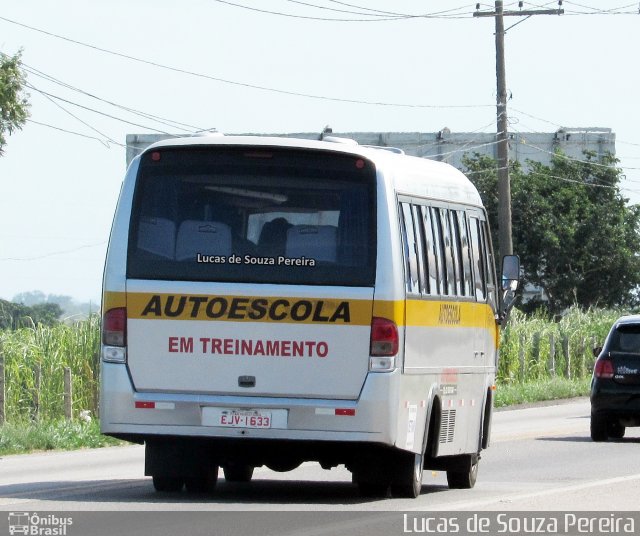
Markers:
point(450, 146)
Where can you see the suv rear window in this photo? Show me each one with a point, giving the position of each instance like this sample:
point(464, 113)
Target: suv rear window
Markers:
point(259, 215)
point(626, 338)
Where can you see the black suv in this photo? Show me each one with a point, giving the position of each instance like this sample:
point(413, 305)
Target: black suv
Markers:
point(615, 386)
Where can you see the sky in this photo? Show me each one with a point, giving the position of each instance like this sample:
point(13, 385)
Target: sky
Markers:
point(280, 66)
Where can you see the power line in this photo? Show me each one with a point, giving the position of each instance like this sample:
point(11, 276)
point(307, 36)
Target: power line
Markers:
point(293, 16)
point(601, 11)
point(167, 122)
point(243, 84)
point(369, 9)
point(53, 253)
point(437, 15)
point(50, 98)
point(72, 132)
point(334, 9)
point(396, 14)
point(58, 98)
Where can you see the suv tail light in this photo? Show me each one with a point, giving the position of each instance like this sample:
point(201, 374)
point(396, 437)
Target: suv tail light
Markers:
point(603, 369)
point(384, 345)
point(114, 327)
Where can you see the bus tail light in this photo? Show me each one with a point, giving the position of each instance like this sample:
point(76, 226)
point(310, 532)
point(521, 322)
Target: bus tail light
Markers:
point(603, 369)
point(384, 345)
point(114, 335)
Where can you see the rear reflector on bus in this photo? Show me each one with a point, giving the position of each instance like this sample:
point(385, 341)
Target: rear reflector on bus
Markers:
point(143, 404)
point(339, 412)
point(384, 345)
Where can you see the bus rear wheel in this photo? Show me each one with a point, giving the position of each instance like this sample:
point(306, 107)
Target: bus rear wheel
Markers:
point(238, 472)
point(463, 478)
point(407, 481)
point(167, 484)
point(372, 483)
point(204, 482)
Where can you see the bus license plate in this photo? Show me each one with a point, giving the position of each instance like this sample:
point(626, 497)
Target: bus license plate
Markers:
point(245, 419)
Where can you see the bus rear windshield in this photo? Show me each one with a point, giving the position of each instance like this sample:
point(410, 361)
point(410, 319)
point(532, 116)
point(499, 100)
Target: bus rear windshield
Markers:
point(255, 215)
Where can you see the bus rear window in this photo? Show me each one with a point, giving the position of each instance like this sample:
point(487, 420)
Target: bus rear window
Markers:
point(257, 216)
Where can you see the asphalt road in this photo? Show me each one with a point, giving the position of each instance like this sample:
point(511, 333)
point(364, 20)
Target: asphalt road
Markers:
point(540, 459)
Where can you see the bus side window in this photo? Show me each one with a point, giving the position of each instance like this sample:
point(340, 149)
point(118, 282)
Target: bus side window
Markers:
point(464, 252)
point(439, 248)
point(410, 255)
point(431, 255)
point(419, 237)
point(456, 253)
point(445, 227)
point(478, 259)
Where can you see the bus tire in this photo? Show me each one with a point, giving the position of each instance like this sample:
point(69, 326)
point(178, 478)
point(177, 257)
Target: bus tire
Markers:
point(407, 481)
point(203, 483)
point(167, 484)
point(465, 478)
point(372, 483)
point(373, 488)
point(238, 472)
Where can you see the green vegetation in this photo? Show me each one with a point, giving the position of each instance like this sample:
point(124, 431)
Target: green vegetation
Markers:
point(14, 108)
point(34, 363)
point(535, 347)
point(54, 435)
point(541, 390)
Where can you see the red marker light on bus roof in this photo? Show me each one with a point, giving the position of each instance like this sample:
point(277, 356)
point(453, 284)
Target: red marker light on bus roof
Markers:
point(155, 156)
point(360, 163)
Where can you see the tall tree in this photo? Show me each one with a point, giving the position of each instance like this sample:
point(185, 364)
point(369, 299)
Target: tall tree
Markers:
point(14, 106)
point(577, 238)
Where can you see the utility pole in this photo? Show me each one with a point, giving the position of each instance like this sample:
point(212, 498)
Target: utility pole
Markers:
point(505, 240)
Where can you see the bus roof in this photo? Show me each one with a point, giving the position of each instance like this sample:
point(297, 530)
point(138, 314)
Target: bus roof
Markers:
point(408, 175)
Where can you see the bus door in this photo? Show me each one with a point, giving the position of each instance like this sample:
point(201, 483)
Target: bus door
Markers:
point(484, 288)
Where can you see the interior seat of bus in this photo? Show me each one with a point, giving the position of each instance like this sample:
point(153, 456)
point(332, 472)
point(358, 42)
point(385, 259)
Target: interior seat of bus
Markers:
point(317, 242)
point(205, 237)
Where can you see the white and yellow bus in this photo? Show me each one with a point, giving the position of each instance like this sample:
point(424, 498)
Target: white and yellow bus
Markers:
point(272, 301)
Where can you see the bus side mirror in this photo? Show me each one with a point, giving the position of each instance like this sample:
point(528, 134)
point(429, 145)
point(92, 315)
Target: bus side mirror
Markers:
point(510, 272)
point(510, 279)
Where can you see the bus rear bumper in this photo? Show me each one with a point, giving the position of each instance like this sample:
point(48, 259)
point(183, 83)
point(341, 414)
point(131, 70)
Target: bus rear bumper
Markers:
point(138, 416)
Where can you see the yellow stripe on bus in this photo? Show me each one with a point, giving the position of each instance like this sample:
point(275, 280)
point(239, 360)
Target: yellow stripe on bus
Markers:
point(248, 308)
point(166, 306)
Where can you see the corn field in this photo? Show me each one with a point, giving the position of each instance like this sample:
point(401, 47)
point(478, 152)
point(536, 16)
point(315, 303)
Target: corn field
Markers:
point(535, 347)
point(35, 358)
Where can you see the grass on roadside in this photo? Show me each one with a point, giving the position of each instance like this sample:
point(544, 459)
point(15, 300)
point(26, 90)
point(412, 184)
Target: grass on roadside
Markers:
point(541, 390)
point(20, 438)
